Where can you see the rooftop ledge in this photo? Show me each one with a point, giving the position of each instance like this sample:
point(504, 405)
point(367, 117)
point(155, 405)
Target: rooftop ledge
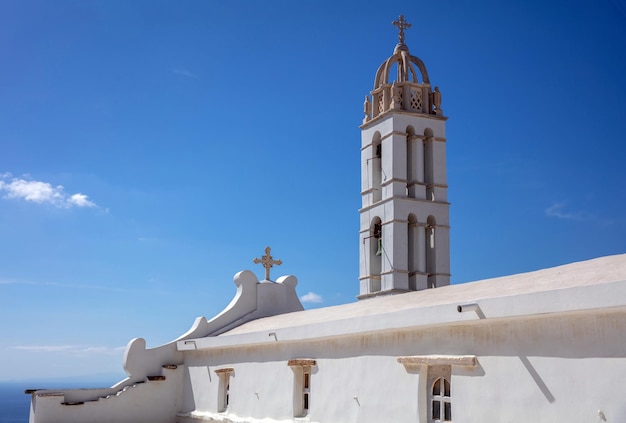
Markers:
point(584, 287)
point(608, 297)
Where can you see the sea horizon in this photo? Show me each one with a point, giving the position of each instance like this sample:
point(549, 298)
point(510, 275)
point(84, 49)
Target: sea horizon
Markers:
point(15, 404)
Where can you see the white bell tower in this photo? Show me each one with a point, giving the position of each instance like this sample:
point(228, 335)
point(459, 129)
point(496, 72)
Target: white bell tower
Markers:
point(404, 231)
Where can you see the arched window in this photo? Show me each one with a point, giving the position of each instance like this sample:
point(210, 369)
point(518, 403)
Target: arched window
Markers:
point(414, 162)
point(431, 248)
point(413, 251)
point(440, 404)
point(376, 253)
point(377, 167)
point(429, 165)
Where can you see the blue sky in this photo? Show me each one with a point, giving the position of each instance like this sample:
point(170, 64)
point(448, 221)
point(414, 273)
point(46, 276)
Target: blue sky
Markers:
point(150, 150)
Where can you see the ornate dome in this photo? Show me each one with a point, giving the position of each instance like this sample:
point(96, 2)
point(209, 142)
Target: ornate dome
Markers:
point(408, 90)
point(406, 64)
point(404, 61)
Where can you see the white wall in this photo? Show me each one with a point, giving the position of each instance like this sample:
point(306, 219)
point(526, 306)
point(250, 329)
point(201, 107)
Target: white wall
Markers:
point(558, 367)
point(151, 401)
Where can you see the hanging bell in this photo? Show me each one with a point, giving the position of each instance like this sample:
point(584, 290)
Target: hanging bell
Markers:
point(379, 252)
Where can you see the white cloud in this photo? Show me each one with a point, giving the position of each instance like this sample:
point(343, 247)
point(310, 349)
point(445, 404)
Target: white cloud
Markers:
point(311, 297)
point(35, 191)
point(80, 200)
point(558, 210)
point(41, 192)
point(70, 349)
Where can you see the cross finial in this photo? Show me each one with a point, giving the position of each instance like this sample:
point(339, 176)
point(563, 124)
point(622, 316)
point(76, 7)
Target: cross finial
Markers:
point(267, 262)
point(402, 25)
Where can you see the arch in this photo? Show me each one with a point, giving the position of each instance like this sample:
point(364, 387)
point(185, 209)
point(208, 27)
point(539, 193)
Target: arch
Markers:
point(375, 253)
point(412, 251)
point(431, 249)
point(377, 167)
point(406, 70)
point(410, 164)
point(429, 164)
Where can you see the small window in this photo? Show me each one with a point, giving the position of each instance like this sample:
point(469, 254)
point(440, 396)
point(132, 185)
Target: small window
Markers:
point(306, 390)
point(435, 393)
point(302, 385)
point(227, 393)
point(223, 394)
point(439, 394)
point(441, 407)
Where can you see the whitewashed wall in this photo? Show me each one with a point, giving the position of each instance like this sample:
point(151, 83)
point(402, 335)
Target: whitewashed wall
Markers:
point(152, 401)
point(559, 367)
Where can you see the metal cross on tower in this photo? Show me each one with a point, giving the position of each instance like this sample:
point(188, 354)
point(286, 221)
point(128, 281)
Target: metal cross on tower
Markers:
point(402, 25)
point(267, 262)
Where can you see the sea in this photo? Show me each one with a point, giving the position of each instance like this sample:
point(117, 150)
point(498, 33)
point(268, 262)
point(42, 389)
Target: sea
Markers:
point(15, 404)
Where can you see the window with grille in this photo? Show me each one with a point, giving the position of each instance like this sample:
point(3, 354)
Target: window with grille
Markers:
point(439, 394)
point(416, 99)
point(306, 390)
point(441, 407)
point(302, 370)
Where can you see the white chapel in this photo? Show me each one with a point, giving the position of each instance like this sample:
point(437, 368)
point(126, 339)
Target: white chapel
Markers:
point(545, 346)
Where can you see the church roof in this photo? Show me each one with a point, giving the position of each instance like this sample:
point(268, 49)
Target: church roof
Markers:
point(596, 273)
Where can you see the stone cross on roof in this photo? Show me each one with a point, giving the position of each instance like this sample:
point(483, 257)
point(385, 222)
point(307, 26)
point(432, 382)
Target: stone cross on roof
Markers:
point(402, 25)
point(267, 262)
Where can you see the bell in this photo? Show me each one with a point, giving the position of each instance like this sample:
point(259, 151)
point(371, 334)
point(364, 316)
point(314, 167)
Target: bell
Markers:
point(379, 252)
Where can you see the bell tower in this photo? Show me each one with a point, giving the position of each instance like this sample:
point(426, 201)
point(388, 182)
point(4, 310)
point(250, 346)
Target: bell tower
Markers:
point(404, 230)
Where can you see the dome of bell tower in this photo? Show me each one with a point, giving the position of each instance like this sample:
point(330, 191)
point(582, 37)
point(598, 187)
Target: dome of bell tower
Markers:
point(402, 83)
point(405, 62)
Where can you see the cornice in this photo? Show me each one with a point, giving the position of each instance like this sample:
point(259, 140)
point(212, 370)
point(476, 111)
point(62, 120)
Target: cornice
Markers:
point(391, 112)
point(302, 362)
point(386, 200)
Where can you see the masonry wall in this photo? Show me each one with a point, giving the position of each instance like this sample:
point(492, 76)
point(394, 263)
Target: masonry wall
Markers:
point(566, 367)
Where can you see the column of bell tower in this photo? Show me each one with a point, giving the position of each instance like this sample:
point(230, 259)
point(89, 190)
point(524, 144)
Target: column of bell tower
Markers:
point(404, 229)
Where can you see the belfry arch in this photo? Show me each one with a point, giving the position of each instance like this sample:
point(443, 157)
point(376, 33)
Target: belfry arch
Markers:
point(376, 167)
point(414, 164)
point(414, 250)
point(430, 249)
point(376, 252)
point(428, 164)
